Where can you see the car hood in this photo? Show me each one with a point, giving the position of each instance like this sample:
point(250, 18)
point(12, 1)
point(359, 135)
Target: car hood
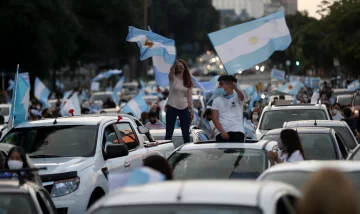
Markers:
point(63, 164)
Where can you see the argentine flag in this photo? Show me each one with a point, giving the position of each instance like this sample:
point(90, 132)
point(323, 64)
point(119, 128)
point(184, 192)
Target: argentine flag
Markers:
point(243, 46)
point(72, 103)
point(136, 106)
point(41, 92)
point(353, 86)
point(20, 101)
point(117, 89)
point(161, 49)
point(249, 129)
point(292, 88)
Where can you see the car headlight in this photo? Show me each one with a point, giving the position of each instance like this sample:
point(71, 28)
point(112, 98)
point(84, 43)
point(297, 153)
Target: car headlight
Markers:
point(356, 112)
point(65, 187)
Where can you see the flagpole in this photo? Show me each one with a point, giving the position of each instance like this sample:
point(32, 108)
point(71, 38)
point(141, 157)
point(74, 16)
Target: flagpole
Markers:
point(14, 95)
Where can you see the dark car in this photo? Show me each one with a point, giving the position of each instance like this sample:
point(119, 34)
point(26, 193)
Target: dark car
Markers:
point(340, 127)
point(319, 143)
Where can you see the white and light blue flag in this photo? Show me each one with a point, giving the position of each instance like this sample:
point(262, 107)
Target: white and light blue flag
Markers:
point(11, 85)
point(106, 74)
point(20, 101)
point(243, 46)
point(26, 77)
point(211, 85)
point(72, 103)
point(353, 86)
point(249, 129)
point(136, 106)
point(65, 97)
point(118, 87)
point(292, 88)
point(278, 74)
point(41, 92)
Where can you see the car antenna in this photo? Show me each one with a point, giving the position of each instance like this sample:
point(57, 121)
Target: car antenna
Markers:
point(315, 124)
point(55, 122)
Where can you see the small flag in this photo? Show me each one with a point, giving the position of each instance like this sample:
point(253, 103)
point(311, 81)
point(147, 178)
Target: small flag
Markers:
point(243, 46)
point(41, 92)
point(292, 88)
point(249, 129)
point(20, 101)
point(136, 106)
point(73, 105)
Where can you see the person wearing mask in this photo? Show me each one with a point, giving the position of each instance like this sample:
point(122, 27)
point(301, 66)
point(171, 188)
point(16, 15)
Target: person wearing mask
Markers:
point(290, 147)
point(227, 111)
point(255, 119)
point(154, 123)
point(206, 123)
point(159, 164)
point(318, 194)
point(180, 103)
point(335, 112)
point(16, 160)
point(301, 96)
point(351, 122)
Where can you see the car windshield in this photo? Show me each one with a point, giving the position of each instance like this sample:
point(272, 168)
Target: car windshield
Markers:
point(344, 100)
point(179, 209)
point(299, 179)
point(218, 163)
point(275, 119)
point(316, 146)
point(54, 141)
point(5, 110)
point(100, 97)
point(357, 100)
point(16, 203)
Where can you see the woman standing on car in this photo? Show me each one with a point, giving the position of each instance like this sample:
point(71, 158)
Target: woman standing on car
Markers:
point(180, 103)
point(290, 148)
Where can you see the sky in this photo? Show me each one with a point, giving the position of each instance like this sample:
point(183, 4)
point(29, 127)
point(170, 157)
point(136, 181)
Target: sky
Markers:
point(310, 6)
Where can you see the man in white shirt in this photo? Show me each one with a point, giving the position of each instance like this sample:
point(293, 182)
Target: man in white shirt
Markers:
point(335, 112)
point(227, 111)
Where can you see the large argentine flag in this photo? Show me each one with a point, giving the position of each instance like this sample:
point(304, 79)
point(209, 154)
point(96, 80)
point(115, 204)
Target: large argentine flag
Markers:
point(152, 44)
point(355, 85)
point(136, 106)
point(41, 92)
point(243, 46)
point(292, 88)
point(249, 129)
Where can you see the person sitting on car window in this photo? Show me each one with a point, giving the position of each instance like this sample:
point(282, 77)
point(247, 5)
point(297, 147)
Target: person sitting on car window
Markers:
point(290, 147)
point(17, 160)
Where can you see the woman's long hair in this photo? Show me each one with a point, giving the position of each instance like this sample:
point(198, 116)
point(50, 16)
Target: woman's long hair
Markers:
point(291, 141)
point(186, 75)
point(160, 164)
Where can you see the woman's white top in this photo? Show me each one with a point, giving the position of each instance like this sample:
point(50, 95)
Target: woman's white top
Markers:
point(295, 156)
point(179, 97)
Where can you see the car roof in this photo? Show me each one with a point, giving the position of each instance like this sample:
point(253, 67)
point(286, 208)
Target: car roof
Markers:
point(158, 132)
point(269, 145)
point(102, 93)
point(93, 119)
point(309, 130)
point(4, 105)
point(293, 107)
point(313, 165)
point(244, 193)
point(312, 122)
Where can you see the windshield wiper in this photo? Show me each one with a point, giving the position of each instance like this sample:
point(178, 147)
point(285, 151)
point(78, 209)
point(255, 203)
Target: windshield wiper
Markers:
point(45, 156)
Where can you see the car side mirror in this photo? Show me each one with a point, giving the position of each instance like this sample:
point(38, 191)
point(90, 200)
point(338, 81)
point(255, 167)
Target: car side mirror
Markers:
point(143, 129)
point(116, 151)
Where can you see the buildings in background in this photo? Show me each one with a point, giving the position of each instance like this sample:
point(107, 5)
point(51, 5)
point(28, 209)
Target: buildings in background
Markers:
point(235, 9)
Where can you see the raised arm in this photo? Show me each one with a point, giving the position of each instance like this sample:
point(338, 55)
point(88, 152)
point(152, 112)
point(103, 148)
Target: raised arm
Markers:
point(239, 93)
point(172, 72)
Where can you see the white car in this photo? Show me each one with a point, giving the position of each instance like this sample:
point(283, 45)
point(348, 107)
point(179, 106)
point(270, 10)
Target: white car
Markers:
point(212, 160)
point(210, 197)
point(150, 99)
point(298, 173)
point(273, 117)
point(5, 111)
point(79, 152)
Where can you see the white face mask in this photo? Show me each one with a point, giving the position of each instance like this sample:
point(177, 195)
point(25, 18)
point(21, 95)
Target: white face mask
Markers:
point(335, 111)
point(255, 116)
point(15, 164)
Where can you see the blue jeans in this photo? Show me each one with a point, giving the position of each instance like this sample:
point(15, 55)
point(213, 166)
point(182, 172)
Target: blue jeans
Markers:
point(184, 116)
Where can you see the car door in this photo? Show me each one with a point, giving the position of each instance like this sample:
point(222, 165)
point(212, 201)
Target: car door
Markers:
point(342, 145)
point(129, 137)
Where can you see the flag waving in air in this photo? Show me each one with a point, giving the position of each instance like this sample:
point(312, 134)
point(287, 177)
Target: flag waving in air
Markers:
point(243, 46)
point(20, 101)
point(41, 92)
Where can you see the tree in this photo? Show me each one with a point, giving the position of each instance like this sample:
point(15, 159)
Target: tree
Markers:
point(39, 35)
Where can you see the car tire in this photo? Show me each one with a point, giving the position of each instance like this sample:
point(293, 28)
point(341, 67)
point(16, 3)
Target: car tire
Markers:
point(96, 195)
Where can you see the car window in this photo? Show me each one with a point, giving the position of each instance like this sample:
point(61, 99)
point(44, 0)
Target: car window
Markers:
point(109, 137)
point(275, 119)
point(357, 100)
point(128, 135)
point(356, 155)
point(179, 209)
point(342, 145)
point(286, 204)
point(344, 100)
point(316, 146)
point(64, 141)
point(14, 203)
point(218, 163)
point(347, 135)
point(42, 203)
